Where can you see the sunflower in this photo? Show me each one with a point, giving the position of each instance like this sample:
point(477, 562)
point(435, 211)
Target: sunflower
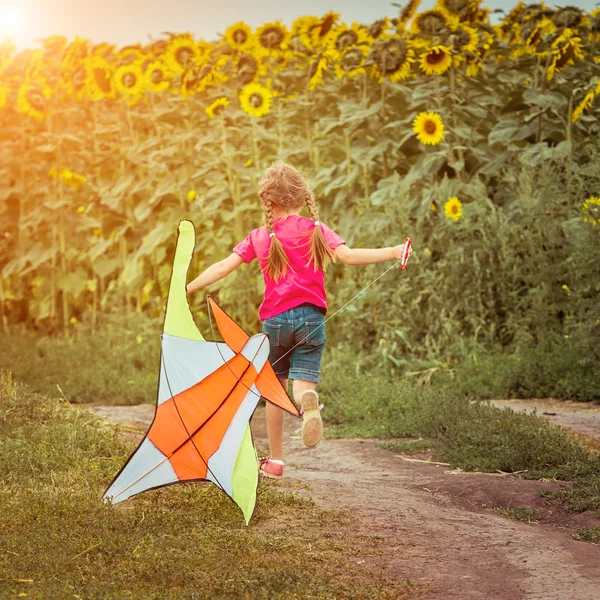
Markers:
point(157, 78)
point(474, 64)
point(248, 68)
point(586, 103)
point(197, 79)
point(300, 33)
point(392, 59)
point(453, 208)
point(465, 39)
point(343, 37)
point(272, 39)
point(239, 36)
point(318, 67)
point(406, 14)
point(591, 210)
point(429, 128)
point(129, 82)
point(216, 107)
point(465, 10)
point(255, 99)
point(129, 55)
point(31, 100)
point(433, 22)
point(181, 53)
point(350, 62)
point(436, 61)
point(380, 29)
point(565, 49)
point(533, 35)
point(321, 33)
point(98, 82)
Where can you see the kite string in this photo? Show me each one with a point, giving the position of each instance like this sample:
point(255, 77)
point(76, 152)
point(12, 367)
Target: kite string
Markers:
point(336, 312)
point(212, 329)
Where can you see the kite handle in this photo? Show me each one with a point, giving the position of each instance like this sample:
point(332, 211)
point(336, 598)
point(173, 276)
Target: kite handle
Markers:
point(404, 258)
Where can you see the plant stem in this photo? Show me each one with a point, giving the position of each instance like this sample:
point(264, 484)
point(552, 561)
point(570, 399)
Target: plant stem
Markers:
point(3, 307)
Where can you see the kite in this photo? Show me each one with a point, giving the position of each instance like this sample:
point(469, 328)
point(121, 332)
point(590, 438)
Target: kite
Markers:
point(207, 393)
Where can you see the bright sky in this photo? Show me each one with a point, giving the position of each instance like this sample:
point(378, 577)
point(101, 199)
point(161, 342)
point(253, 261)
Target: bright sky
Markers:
point(129, 21)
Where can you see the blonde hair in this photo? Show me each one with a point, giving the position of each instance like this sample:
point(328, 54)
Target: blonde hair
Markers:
point(282, 185)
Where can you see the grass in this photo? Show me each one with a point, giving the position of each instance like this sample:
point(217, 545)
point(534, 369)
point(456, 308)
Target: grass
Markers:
point(588, 534)
point(116, 365)
point(520, 514)
point(58, 540)
point(467, 433)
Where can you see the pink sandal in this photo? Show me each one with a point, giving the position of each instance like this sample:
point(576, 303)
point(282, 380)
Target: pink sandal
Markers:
point(270, 467)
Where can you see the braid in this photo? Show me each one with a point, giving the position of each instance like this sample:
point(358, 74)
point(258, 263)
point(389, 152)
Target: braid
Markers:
point(277, 260)
point(268, 210)
point(319, 253)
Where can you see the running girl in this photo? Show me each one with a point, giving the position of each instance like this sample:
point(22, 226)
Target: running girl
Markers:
point(293, 253)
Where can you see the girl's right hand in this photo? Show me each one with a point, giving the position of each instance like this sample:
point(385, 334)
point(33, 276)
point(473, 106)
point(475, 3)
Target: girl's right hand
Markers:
point(399, 251)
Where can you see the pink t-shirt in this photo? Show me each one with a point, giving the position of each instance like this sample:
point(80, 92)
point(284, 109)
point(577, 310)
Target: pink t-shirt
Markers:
point(301, 283)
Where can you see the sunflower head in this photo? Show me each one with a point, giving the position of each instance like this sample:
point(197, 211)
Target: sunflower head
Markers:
point(31, 100)
point(181, 54)
point(344, 37)
point(453, 208)
point(239, 35)
point(272, 39)
point(591, 210)
point(99, 78)
point(157, 76)
point(255, 100)
point(350, 63)
point(465, 10)
point(436, 60)
point(217, 107)
point(432, 22)
point(247, 69)
point(129, 81)
point(392, 58)
point(465, 39)
point(429, 128)
point(378, 28)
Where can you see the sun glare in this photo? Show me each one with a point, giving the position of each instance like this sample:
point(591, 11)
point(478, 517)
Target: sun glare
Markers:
point(10, 22)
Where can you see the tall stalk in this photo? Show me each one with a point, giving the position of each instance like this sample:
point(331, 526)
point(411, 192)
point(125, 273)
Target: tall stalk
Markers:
point(3, 307)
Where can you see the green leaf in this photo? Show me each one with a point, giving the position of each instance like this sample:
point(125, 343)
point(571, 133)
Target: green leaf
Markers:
point(548, 99)
point(510, 130)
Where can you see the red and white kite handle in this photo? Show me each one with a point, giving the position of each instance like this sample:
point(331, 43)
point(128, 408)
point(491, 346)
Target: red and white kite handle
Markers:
point(404, 258)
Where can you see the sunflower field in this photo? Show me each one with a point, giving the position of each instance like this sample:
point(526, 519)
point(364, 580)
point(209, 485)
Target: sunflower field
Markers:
point(478, 139)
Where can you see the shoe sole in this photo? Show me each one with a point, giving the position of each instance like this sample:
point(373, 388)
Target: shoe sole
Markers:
point(312, 425)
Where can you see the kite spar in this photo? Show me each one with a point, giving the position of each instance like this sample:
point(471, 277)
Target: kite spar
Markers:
point(207, 393)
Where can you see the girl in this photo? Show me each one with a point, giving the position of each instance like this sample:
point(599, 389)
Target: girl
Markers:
point(293, 252)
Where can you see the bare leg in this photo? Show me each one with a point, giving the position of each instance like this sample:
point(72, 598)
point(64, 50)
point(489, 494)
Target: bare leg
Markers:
point(275, 427)
point(300, 386)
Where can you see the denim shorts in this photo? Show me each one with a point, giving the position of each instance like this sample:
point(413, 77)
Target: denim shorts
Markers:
point(304, 328)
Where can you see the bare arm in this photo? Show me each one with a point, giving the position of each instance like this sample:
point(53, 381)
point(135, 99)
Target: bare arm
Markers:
point(215, 273)
point(368, 256)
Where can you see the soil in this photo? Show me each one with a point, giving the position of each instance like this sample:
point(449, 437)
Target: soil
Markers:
point(436, 526)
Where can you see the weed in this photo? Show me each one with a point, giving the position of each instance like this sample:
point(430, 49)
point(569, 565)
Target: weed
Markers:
point(520, 514)
point(588, 534)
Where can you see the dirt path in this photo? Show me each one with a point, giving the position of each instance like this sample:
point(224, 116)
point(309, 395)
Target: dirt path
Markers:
point(434, 525)
point(580, 416)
